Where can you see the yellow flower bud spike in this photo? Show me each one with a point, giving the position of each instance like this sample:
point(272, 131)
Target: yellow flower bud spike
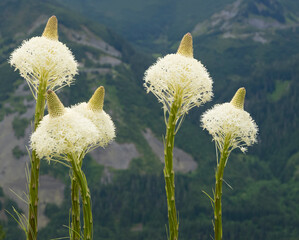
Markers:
point(238, 99)
point(51, 31)
point(186, 46)
point(96, 102)
point(55, 106)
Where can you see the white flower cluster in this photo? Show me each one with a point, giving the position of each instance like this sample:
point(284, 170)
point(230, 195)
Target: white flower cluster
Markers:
point(41, 58)
point(225, 121)
point(181, 78)
point(66, 134)
point(75, 130)
point(101, 120)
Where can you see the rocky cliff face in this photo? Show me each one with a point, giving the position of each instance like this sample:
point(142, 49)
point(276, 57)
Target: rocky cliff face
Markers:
point(256, 20)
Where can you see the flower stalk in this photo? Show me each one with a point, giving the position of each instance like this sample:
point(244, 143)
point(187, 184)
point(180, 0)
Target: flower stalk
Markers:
point(35, 165)
point(85, 195)
point(169, 172)
point(32, 229)
point(75, 233)
point(218, 190)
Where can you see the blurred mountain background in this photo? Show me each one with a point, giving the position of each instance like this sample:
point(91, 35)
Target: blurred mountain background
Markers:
point(243, 43)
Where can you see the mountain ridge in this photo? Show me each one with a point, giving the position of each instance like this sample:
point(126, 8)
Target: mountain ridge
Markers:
point(256, 20)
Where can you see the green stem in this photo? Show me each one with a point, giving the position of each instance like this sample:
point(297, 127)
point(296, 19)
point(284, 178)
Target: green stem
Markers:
point(75, 227)
point(218, 190)
point(169, 172)
point(85, 195)
point(35, 165)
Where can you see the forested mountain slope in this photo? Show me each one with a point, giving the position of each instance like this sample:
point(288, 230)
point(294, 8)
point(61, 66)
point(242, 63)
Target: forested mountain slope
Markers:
point(126, 180)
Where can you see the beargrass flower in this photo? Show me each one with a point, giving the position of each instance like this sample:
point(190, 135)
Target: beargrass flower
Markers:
point(231, 127)
point(93, 110)
point(45, 63)
point(63, 131)
point(180, 83)
point(179, 77)
point(45, 60)
point(230, 120)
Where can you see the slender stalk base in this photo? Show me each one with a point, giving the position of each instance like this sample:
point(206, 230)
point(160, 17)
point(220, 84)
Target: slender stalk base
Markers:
point(35, 165)
point(85, 195)
point(75, 227)
point(169, 172)
point(218, 191)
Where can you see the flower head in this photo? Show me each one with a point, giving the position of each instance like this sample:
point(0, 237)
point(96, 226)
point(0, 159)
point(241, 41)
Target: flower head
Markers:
point(45, 59)
point(93, 110)
point(229, 122)
point(62, 131)
point(179, 77)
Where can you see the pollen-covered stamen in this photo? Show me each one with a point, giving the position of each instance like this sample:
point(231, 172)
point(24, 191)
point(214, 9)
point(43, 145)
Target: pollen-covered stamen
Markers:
point(238, 99)
point(51, 31)
point(186, 46)
point(96, 102)
point(55, 106)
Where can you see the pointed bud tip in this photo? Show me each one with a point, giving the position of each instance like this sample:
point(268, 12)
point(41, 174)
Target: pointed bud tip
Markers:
point(96, 102)
point(100, 89)
point(55, 106)
point(238, 99)
point(51, 31)
point(186, 46)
